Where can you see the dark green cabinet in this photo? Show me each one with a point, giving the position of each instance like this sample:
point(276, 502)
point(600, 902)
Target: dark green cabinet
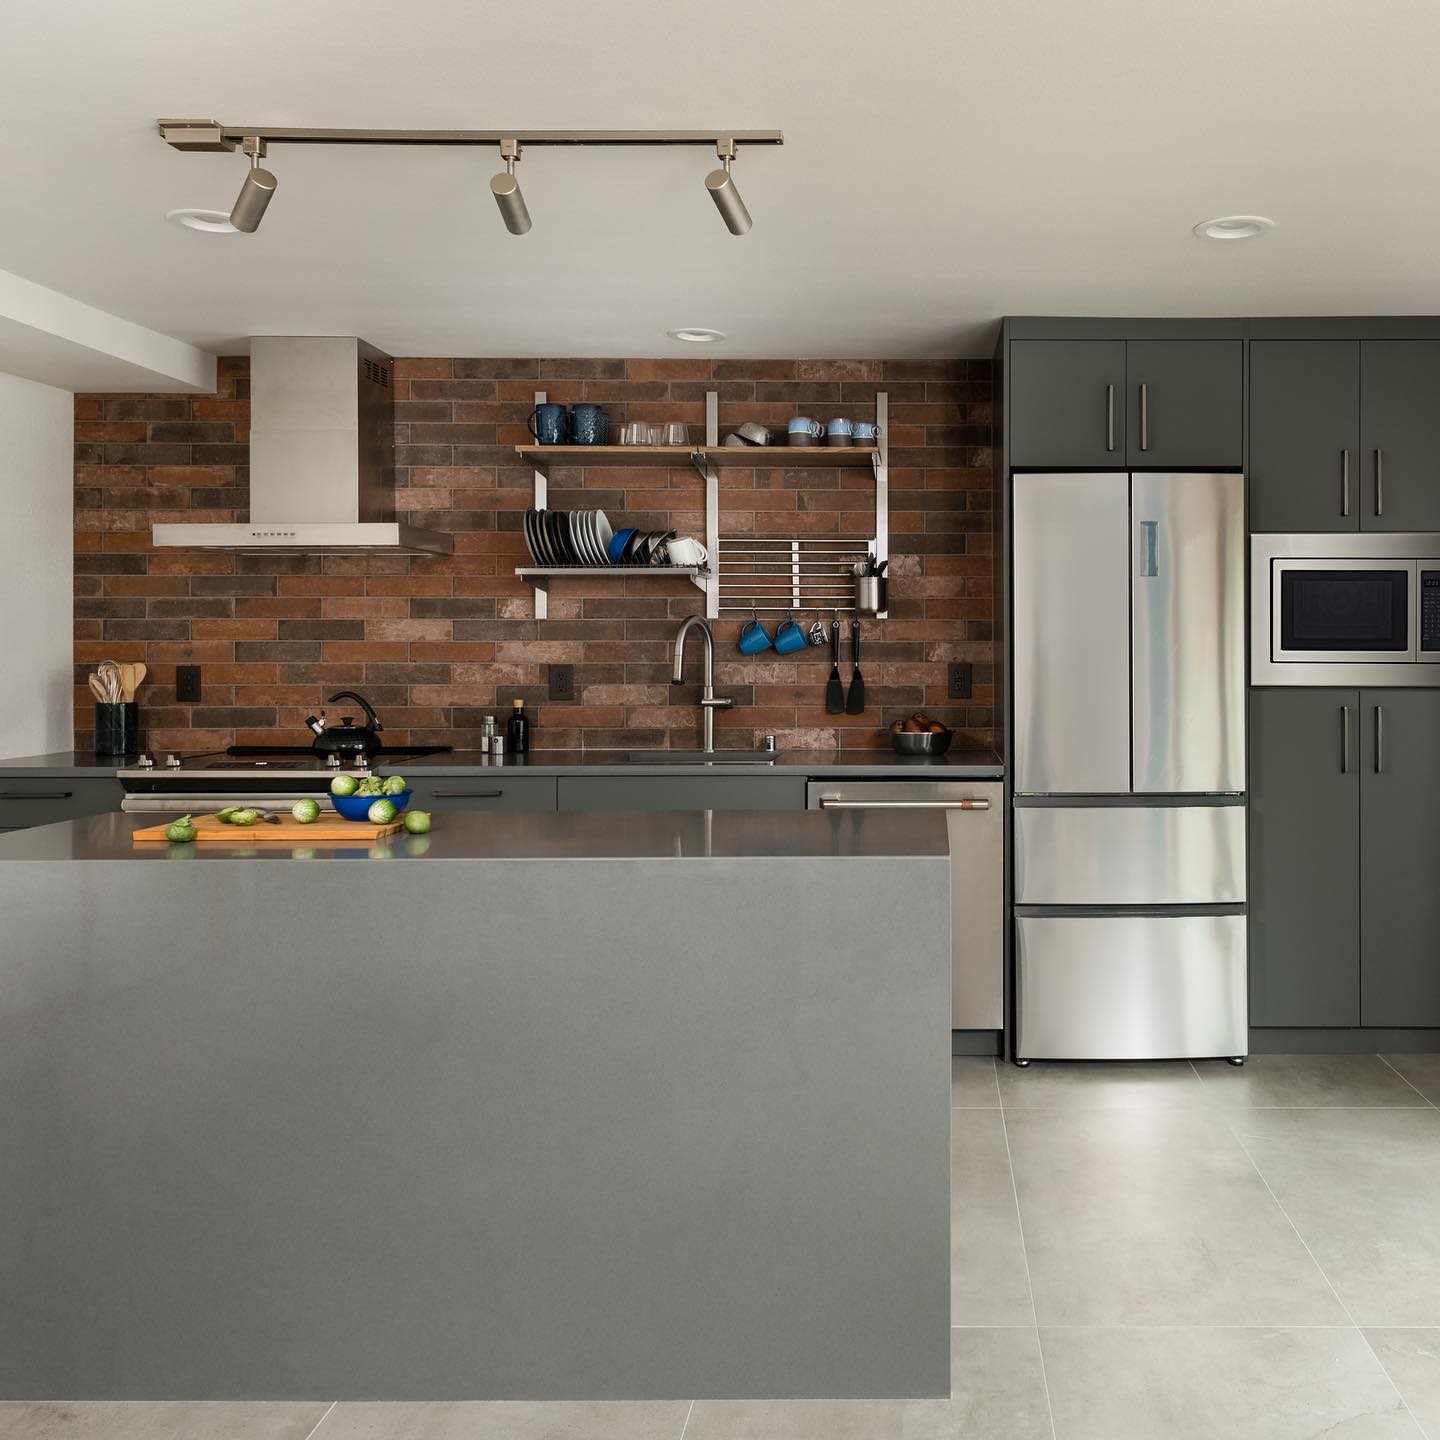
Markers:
point(47, 799)
point(1400, 434)
point(682, 792)
point(1400, 857)
point(1116, 404)
point(1344, 858)
point(1304, 857)
point(1067, 403)
point(1305, 457)
point(1185, 404)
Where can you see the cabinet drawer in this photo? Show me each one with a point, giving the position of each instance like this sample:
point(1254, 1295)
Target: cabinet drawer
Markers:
point(1130, 987)
point(1130, 855)
point(481, 792)
point(36, 800)
point(683, 792)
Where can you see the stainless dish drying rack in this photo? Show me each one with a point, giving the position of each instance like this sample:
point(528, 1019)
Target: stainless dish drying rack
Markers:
point(761, 575)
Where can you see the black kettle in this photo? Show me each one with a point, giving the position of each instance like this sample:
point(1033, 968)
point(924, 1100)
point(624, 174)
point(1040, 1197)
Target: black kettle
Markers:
point(348, 738)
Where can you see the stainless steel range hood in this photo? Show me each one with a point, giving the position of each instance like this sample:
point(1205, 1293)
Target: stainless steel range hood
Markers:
point(322, 456)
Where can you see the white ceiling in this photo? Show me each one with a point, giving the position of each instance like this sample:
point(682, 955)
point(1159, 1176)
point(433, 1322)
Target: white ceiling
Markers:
point(946, 162)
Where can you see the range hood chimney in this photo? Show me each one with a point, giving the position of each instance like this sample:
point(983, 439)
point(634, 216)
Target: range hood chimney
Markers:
point(322, 456)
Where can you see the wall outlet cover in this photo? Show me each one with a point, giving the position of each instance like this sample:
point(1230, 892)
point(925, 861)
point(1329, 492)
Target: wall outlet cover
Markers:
point(187, 683)
point(562, 682)
point(960, 680)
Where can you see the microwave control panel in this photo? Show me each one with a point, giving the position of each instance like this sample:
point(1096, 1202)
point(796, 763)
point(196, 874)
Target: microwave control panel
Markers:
point(1429, 611)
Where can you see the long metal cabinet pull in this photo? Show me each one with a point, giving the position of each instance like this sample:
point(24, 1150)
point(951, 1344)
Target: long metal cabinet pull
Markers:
point(1379, 738)
point(1345, 482)
point(467, 794)
point(828, 802)
point(1144, 416)
point(1344, 739)
point(36, 794)
point(1379, 481)
point(1109, 417)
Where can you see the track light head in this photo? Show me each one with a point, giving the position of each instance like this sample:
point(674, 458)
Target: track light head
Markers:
point(722, 190)
point(506, 190)
point(257, 191)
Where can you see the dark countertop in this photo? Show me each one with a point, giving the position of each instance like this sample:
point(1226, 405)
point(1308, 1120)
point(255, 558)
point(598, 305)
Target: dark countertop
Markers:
point(529, 836)
point(875, 764)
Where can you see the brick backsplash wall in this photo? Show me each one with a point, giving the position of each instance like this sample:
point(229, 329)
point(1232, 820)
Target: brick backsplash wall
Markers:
point(438, 642)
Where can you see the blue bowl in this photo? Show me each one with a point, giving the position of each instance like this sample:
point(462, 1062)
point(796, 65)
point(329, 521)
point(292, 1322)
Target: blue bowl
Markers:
point(357, 807)
point(618, 542)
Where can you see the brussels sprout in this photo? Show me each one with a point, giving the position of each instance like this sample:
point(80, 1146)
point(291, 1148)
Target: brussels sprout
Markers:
point(182, 830)
point(344, 785)
point(306, 811)
point(245, 816)
point(395, 785)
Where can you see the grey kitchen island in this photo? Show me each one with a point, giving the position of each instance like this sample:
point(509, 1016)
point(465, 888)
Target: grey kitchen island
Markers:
point(537, 1106)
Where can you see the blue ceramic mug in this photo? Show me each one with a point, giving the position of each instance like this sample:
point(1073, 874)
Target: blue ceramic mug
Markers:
point(840, 426)
point(801, 426)
point(549, 424)
point(790, 636)
point(589, 425)
point(865, 433)
point(754, 637)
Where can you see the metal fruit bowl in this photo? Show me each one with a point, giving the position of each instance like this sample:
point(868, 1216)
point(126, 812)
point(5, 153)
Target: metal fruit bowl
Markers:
point(921, 743)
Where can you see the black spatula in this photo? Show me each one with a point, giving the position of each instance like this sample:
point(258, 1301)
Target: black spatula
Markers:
point(855, 700)
point(834, 690)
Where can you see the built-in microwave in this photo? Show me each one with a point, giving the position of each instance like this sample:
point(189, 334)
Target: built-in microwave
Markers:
point(1345, 609)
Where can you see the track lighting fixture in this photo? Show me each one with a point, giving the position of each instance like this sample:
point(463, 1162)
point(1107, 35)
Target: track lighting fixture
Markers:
point(259, 186)
point(256, 192)
point(506, 190)
point(721, 186)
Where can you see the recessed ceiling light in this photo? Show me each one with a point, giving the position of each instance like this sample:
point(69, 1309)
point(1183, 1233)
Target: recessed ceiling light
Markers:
point(217, 222)
point(696, 335)
point(1234, 227)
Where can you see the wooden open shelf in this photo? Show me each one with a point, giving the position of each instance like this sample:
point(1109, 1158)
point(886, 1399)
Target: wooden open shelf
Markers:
point(723, 457)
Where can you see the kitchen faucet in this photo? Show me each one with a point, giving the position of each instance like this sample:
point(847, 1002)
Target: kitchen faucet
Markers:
point(708, 703)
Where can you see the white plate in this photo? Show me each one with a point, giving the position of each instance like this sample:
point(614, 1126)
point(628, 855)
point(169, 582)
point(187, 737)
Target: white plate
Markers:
point(603, 536)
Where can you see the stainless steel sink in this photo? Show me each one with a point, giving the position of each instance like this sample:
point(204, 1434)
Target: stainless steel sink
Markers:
point(700, 757)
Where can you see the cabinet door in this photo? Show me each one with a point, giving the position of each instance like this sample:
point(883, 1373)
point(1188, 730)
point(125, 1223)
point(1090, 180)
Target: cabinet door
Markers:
point(682, 792)
point(1304, 857)
point(1305, 435)
point(1184, 403)
point(47, 800)
point(1400, 434)
point(1400, 857)
point(1067, 403)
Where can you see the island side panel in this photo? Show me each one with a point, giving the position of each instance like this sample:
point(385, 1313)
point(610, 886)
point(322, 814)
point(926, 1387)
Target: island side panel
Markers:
point(648, 1128)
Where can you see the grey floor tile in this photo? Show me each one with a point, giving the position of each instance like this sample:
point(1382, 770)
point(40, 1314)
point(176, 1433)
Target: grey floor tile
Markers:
point(988, 1284)
point(1199, 1384)
point(1154, 1217)
point(820, 1420)
point(972, 1081)
point(1360, 1186)
point(1422, 1071)
point(1099, 1085)
point(158, 1420)
point(1307, 1080)
point(1412, 1360)
point(508, 1420)
point(997, 1385)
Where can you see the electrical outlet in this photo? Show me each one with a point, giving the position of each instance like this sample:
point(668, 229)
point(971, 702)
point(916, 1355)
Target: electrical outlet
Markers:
point(562, 682)
point(187, 683)
point(960, 680)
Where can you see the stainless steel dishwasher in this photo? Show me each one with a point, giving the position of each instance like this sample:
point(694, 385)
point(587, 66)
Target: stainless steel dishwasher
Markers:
point(974, 815)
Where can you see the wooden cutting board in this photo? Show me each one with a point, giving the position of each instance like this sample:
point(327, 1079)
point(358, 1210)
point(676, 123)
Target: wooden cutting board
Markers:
point(329, 829)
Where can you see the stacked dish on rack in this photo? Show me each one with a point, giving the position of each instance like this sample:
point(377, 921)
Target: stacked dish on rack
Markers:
point(585, 538)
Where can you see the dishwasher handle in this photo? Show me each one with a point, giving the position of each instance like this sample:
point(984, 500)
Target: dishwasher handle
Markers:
point(834, 802)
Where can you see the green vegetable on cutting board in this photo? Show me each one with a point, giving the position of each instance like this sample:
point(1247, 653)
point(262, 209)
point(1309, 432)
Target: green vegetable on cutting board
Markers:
point(181, 830)
point(305, 811)
point(244, 816)
point(223, 816)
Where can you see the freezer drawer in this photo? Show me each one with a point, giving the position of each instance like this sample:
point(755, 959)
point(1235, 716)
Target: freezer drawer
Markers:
point(1130, 855)
point(975, 819)
point(1130, 987)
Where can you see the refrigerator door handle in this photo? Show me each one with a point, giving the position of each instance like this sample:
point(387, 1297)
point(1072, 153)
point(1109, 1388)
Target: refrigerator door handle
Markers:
point(1149, 568)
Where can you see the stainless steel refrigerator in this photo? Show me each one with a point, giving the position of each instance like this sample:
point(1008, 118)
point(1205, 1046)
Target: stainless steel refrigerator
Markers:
point(1129, 766)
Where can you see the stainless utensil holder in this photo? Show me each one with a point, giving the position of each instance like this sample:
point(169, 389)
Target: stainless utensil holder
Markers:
point(870, 594)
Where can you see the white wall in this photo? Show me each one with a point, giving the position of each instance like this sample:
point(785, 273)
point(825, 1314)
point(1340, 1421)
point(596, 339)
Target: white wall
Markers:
point(37, 544)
